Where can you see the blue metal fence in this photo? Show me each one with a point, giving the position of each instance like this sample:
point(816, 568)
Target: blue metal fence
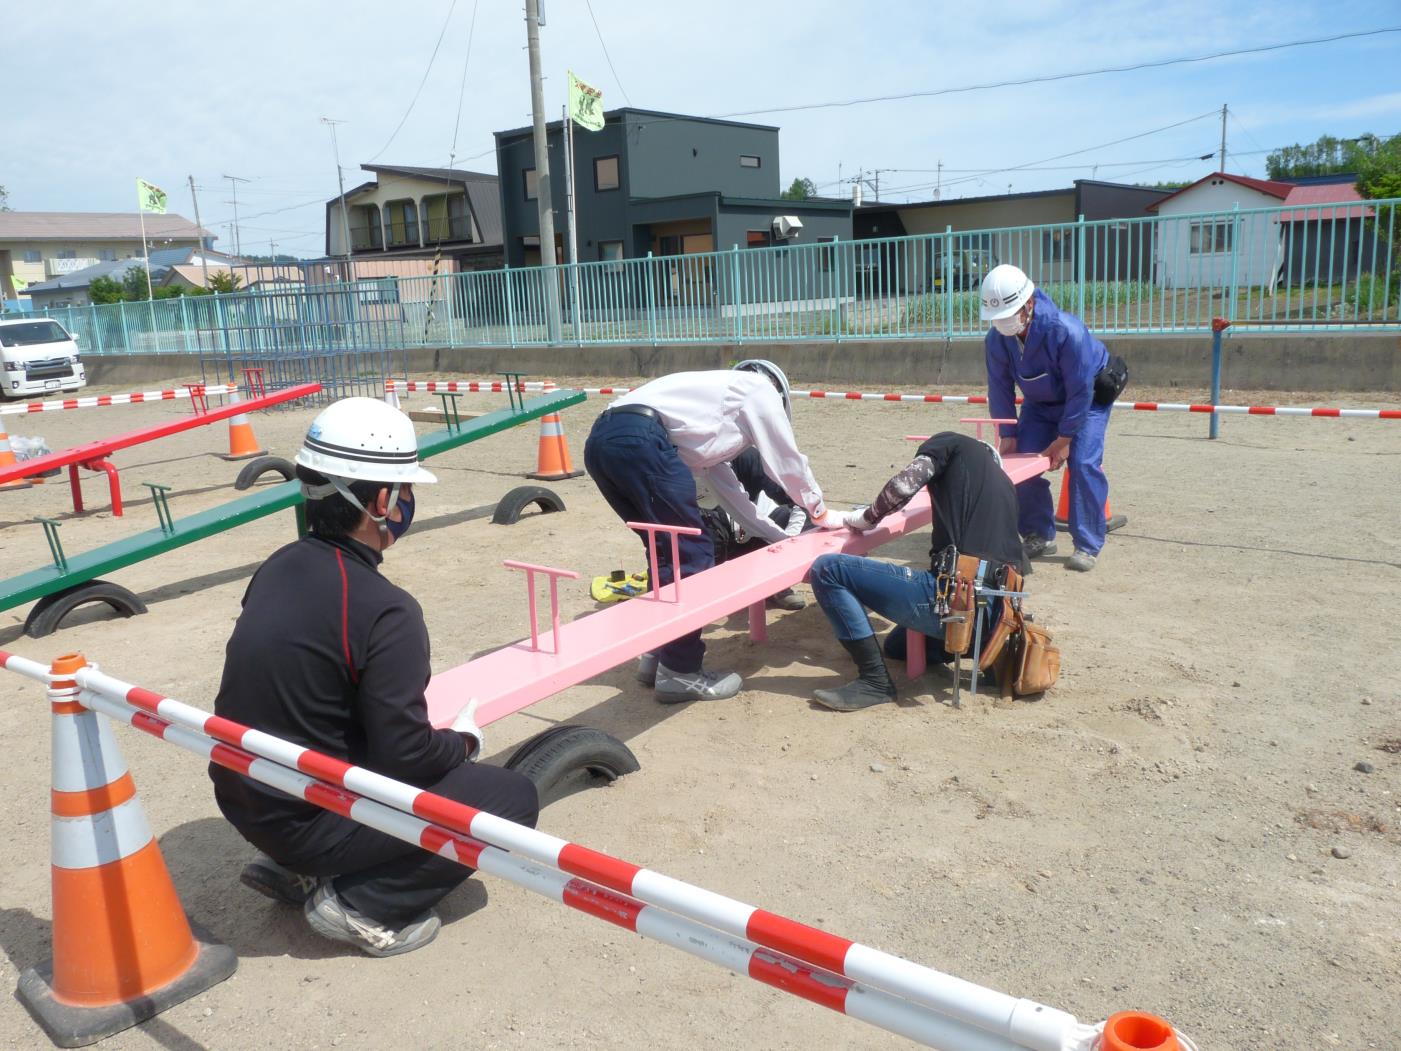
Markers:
point(1307, 268)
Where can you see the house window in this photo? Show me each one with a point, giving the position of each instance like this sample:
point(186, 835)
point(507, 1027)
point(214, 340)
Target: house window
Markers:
point(365, 231)
point(401, 222)
point(758, 239)
point(1207, 238)
point(748, 160)
point(106, 255)
point(531, 181)
point(1055, 246)
point(605, 173)
point(826, 254)
point(33, 255)
point(68, 253)
point(445, 218)
point(611, 252)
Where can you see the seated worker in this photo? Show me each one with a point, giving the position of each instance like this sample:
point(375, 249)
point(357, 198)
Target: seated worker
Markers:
point(645, 452)
point(975, 512)
point(330, 655)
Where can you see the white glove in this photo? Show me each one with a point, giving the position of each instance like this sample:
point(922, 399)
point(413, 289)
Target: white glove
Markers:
point(466, 724)
point(797, 518)
point(856, 520)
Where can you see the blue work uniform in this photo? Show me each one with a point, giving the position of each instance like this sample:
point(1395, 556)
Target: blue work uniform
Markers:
point(1054, 362)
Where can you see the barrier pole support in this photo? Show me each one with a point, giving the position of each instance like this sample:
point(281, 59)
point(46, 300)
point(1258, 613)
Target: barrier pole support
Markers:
point(1218, 325)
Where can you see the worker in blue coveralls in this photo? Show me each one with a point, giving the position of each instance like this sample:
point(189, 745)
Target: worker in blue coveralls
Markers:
point(1069, 382)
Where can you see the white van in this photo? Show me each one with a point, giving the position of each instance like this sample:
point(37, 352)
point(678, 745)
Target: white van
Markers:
point(39, 357)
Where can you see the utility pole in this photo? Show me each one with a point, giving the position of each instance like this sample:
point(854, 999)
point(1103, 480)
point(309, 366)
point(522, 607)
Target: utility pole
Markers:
point(203, 261)
point(544, 198)
point(1223, 138)
point(939, 179)
point(234, 180)
point(340, 183)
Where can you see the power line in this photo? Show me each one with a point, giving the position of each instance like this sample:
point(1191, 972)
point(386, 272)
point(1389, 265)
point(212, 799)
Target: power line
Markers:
point(616, 79)
point(462, 87)
point(428, 69)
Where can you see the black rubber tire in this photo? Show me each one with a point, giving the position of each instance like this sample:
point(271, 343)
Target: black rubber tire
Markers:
point(509, 507)
point(255, 469)
point(50, 610)
point(568, 759)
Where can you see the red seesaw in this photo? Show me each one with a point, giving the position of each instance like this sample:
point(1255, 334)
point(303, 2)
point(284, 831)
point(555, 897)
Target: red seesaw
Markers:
point(94, 455)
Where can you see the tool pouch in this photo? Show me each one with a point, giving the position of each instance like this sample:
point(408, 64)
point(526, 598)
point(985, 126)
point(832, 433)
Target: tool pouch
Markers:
point(955, 583)
point(1039, 667)
point(1009, 623)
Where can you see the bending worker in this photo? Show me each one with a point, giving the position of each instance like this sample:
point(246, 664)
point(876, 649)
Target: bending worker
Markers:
point(330, 655)
point(642, 453)
point(1068, 383)
point(975, 513)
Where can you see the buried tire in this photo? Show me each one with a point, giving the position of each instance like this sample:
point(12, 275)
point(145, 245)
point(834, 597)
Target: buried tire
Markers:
point(50, 610)
point(255, 469)
point(568, 759)
point(509, 507)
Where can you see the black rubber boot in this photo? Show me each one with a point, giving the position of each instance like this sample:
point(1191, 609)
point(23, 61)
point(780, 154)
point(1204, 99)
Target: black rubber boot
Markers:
point(873, 686)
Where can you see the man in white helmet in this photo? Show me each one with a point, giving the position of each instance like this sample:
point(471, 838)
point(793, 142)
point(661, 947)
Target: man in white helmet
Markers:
point(330, 655)
point(1069, 382)
point(647, 449)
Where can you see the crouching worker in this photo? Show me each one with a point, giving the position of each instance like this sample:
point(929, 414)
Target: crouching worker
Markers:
point(330, 655)
point(975, 514)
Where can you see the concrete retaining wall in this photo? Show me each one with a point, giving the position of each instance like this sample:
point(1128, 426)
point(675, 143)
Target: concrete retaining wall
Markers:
point(1364, 362)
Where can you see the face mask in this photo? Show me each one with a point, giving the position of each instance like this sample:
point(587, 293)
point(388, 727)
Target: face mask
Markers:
point(1010, 326)
point(406, 507)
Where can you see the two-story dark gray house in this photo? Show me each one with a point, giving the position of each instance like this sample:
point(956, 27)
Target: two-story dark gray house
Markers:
point(657, 182)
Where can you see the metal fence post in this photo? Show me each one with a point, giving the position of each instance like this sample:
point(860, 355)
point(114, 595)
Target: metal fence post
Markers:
point(1218, 325)
point(736, 296)
point(1235, 273)
point(126, 336)
point(451, 303)
point(96, 327)
point(948, 283)
point(649, 278)
point(510, 308)
point(185, 323)
point(1080, 266)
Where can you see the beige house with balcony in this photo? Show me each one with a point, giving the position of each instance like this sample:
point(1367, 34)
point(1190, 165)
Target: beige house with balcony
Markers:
point(410, 213)
point(41, 246)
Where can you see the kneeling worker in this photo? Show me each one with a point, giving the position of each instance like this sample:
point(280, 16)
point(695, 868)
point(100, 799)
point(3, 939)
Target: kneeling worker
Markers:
point(330, 655)
point(975, 513)
point(642, 453)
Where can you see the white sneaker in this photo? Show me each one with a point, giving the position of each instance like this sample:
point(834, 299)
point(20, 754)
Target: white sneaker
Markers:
point(332, 918)
point(1081, 561)
point(675, 687)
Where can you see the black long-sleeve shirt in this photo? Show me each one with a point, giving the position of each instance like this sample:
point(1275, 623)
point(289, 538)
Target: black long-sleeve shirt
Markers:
point(975, 503)
point(329, 655)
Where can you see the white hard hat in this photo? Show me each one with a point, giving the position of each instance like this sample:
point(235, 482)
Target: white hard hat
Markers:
point(1005, 291)
point(363, 440)
point(775, 375)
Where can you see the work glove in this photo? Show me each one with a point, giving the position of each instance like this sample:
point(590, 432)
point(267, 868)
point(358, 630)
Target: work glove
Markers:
point(466, 724)
point(856, 520)
point(797, 518)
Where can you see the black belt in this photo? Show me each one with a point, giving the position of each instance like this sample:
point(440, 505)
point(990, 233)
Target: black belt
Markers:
point(635, 410)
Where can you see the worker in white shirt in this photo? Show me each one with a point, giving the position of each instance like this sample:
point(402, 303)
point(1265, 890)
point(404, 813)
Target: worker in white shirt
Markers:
point(647, 449)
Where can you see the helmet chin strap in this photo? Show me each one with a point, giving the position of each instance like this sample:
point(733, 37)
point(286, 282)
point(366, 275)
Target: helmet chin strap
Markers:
point(335, 485)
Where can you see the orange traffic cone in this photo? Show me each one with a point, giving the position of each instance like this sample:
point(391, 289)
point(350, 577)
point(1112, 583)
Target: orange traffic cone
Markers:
point(242, 444)
point(1128, 1030)
point(553, 463)
point(1111, 521)
point(7, 459)
point(123, 949)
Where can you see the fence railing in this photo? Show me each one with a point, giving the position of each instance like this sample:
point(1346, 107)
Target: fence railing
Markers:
point(1306, 268)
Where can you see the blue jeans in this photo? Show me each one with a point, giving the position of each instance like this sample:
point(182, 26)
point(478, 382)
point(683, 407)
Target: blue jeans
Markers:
point(638, 471)
point(846, 585)
point(1037, 427)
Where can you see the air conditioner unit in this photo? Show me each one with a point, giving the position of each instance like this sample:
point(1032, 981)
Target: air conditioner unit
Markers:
point(786, 226)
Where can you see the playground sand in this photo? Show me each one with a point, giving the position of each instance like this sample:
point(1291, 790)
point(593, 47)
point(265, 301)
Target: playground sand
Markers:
point(1155, 833)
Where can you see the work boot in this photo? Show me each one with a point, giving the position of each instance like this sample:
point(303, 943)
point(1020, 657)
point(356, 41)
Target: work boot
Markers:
point(1081, 561)
point(675, 687)
point(786, 599)
point(277, 882)
point(873, 685)
point(329, 916)
point(647, 669)
point(1038, 546)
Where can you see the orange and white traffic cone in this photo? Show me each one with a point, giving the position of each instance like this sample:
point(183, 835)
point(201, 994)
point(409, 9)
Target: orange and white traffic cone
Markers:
point(7, 459)
point(1111, 521)
point(123, 949)
point(553, 463)
point(391, 395)
point(242, 444)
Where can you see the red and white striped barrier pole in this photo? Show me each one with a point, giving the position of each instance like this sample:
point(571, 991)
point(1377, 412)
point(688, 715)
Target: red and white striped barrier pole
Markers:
point(103, 400)
point(456, 387)
point(935, 1009)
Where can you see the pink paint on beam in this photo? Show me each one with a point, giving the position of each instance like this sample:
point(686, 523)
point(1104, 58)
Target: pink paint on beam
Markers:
point(522, 673)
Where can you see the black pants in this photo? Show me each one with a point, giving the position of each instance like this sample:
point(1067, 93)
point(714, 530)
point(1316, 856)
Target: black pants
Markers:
point(385, 878)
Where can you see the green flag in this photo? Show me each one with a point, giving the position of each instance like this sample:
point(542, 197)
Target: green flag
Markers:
point(151, 198)
point(20, 286)
point(585, 104)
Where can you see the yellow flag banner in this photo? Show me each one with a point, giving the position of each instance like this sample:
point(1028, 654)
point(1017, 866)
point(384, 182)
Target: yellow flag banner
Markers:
point(20, 286)
point(150, 197)
point(585, 104)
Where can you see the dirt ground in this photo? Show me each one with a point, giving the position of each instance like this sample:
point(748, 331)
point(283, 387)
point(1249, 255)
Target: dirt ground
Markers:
point(1158, 832)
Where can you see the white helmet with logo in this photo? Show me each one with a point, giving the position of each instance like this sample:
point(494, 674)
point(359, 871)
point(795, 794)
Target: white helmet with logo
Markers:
point(363, 440)
point(775, 375)
point(1005, 291)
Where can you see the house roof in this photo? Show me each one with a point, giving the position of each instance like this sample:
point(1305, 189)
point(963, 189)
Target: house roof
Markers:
point(649, 116)
point(96, 226)
point(1322, 194)
point(950, 201)
point(1269, 187)
point(115, 269)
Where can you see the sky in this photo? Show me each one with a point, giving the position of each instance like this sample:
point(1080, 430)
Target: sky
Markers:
point(113, 92)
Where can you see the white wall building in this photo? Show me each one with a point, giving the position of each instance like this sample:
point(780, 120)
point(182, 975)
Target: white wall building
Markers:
point(1198, 251)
